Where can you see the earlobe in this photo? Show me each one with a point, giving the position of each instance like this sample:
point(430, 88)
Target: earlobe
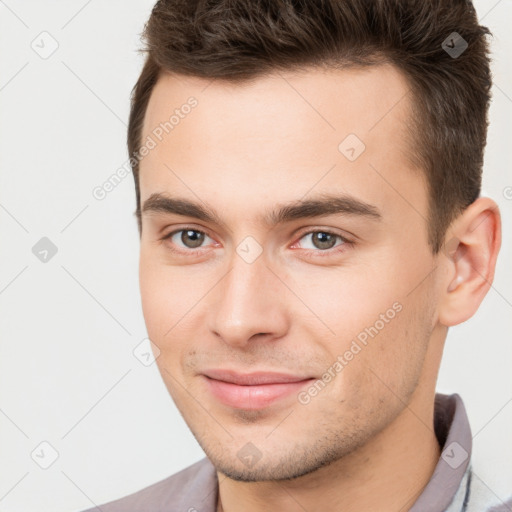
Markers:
point(469, 259)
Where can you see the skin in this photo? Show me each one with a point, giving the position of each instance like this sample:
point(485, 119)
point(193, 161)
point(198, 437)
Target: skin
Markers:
point(366, 441)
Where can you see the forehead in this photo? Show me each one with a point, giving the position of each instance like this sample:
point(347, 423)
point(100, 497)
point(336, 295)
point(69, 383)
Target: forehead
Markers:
point(356, 98)
point(281, 136)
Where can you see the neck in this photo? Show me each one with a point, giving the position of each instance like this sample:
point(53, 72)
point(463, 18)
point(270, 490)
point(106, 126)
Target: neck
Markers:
point(387, 474)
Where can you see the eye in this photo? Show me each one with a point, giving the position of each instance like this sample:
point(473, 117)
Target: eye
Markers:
point(187, 239)
point(324, 241)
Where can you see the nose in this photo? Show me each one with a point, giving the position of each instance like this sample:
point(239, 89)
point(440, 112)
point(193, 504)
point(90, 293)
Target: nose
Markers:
point(249, 302)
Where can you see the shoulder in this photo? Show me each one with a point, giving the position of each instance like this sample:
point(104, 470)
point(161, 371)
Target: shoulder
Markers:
point(191, 488)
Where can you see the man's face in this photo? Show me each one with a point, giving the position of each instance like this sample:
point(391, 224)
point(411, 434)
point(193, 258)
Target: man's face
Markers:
point(348, 293)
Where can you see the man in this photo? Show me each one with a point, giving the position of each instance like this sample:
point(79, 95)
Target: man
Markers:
point(308, 199)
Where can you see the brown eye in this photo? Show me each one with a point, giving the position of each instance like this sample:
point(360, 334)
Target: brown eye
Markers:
point(323, 240)
point(185, 240)
point(191, 238)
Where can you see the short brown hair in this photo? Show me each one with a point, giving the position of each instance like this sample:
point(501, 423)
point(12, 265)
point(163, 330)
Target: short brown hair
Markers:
point(238, 40)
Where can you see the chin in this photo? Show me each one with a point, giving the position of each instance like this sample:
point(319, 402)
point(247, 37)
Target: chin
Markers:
point(279, 469)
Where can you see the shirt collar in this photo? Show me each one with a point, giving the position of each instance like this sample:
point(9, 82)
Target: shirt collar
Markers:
point(451, 473)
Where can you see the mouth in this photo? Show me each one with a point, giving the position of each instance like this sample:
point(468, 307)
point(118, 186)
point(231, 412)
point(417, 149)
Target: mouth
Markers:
point(252, 391)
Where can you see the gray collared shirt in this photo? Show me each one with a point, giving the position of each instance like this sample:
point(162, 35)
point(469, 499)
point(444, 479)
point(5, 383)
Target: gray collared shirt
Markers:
point(453, 487)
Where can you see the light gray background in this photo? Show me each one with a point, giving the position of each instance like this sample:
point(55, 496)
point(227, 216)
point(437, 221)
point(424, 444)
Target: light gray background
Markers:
point(68, 375)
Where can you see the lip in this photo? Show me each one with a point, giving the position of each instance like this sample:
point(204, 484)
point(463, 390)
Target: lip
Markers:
point(254, 390)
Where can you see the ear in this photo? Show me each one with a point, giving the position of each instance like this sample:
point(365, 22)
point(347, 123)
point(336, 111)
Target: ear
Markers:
point(468, 258)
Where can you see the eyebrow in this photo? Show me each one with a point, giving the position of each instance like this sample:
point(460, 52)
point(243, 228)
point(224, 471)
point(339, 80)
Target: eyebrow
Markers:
point(318, 206)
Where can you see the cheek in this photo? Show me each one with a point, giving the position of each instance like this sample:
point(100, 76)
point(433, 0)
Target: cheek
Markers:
point(161, 300)
point(378, 328)
point(392, 360)
point(171, 299)
point(347, 300)
point(151, 292)
point(163, 307)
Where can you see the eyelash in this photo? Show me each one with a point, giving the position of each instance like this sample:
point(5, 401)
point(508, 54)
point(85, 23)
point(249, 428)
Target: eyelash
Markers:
point(318, 253)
